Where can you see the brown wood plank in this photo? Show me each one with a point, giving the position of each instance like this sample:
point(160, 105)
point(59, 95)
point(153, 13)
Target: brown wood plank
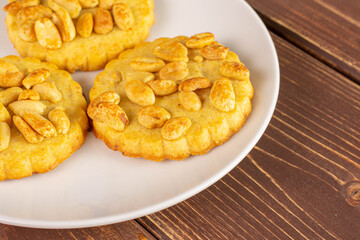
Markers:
point(129, 230)
point(327, 29)
point(293, 184)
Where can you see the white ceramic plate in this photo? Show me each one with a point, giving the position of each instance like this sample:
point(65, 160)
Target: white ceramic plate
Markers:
point(98, 186)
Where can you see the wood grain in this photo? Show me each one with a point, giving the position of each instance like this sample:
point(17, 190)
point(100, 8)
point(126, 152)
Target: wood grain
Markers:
point(327, 29)
point(293, 184)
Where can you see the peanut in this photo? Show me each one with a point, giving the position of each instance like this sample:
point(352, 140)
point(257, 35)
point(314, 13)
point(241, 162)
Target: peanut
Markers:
point(190, 101)
point(48, 91)
point(47, 34)
point(108, 113)
point(27, 31)
point(29, 95)
point(29, 134)
point(35, 77)
point(88, 3)
point(174, 71)
point(4, 114)
point(33, 13)
point(171, 51)
point(40, 124)
point(4, 136)
point(147, 64)
point(64, 23)
point(109, 97)
point(108, 4)
point(192, 84)
point(23, 106)
point(139, 93)
point(10, 95)
point(175, 128)
point(234, 70)
point(15, 6)
point(163, 87)
point(123, 16)
point(10, 75)
point(200, 40)
point(142, 76)
point(103, 22)
point(73, 7)
point(60, 120)
point(222, 95)
point(85, 25)
point(214, 52)
point(152, 116)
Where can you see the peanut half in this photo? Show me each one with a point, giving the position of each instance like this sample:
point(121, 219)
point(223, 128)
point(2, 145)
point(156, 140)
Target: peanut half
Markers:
point(171, 51)
point(48, 91)
point(200, 40)
point(147, 64)
point(88, 3)
point(60, 120)
point(214, 52)
point(103, 22)
point(190, 101)
point(33, 13)
point(40, 124)
point(142, 76)
point(108, 113)
point(23, 106)
point(10, 95)
point(73, 7)
point(29, 134)
point(139, 93)
point(10, 75)
point(152, 116)
point(234, 70)
point(192, 84)
point(29, 95)
point(4, 114)
point(123, 16)
point(174, 71)
point(27, 31)
point(109, 97)
point(35, 77)
point(47, 34)
point(85, 25)
point(163, 87)
point(222, 95)
point(4, 136)
point(15, 6)
point(64, 23)
point(175, 128)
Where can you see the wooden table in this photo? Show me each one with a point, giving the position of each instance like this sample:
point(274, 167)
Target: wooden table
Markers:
point(302, 179)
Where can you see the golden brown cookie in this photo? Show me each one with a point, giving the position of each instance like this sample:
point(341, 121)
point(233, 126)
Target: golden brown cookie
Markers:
point(42, 117)
point(77, 34)
point(171, 98)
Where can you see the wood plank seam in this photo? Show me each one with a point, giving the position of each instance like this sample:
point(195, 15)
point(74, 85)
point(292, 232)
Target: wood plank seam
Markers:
point(145, 228)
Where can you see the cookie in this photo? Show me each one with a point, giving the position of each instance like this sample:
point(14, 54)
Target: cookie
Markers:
point(42, 117)
point(171, 98)
point(77, 34)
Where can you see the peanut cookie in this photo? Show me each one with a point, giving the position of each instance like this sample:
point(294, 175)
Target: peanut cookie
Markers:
point(42, 117)
point(77, 34)
point(171, 98)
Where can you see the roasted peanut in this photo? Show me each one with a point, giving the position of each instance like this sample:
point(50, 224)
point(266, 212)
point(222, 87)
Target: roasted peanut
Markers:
point(29, 95)
point(35, 77)
point(200, 40)
point(147, 64)
point(142, 76)
point(15, 6)
point(10, 95)
point(33, 13)
point(64, 23)
point(23, 106)
point(175, 128)
point(85, 25)
point(4, 114)
point(214, 52)
point(27, 31)
point(222, 95)
point(103, 22)
point(40, 124)
point(162, 87)
point(139, 93)
point(198, 59)
point(4, 136)
point(123, 16)
point(60, 120)
point(48, 91)
point(171, 51)
point(192, 84)
point(108, 4)
point(152, 116)
point(73, 7)
point(234, 70)
point(47, 34)
point(29, 134)
point(109, 97)
point(88, 3)
point(10, 75)
point(190, 101)
point(174, 71)
point(108, 113)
